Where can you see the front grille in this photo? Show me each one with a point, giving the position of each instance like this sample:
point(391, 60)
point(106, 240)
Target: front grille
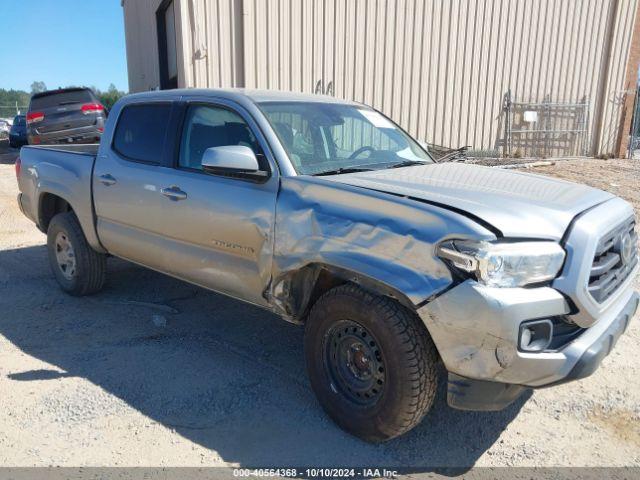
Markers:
point(616, 256)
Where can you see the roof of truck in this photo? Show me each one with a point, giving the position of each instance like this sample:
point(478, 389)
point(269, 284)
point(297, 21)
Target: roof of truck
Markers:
point(239, 94)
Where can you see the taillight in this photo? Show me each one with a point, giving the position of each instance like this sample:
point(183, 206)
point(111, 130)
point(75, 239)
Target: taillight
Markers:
point(88, 108)
point(18, 167)
point(34, 117)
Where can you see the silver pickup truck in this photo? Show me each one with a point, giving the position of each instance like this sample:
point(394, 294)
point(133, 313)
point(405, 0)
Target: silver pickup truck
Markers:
point(328, 214)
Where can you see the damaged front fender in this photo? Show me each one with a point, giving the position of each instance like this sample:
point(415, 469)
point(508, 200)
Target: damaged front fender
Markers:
point(366, 236)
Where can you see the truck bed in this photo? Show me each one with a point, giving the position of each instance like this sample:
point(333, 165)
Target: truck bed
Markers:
point(60, 171)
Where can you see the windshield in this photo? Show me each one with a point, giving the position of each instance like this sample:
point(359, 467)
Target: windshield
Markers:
point(19, 121)
point(329, 137)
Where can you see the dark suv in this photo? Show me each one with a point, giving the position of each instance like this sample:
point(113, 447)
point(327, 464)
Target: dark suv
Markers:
point(70, 115)
point(18, 132)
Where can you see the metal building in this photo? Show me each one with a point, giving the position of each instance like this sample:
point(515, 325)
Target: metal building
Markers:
point(538, 77)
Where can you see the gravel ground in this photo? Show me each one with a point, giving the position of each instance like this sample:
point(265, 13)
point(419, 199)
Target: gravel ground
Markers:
point(104, 381)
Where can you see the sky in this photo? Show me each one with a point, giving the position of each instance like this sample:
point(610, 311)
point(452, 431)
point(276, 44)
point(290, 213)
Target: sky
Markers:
point(62, 43)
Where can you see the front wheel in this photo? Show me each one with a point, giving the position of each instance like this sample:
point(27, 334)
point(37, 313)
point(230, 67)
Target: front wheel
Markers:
point(371, 363)
point(78, 268)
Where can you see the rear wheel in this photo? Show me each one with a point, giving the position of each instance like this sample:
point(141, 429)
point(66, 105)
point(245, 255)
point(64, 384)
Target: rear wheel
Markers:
point(78, 268)
point(371, 363)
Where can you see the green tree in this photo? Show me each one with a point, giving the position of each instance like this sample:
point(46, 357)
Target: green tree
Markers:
point(37, 87)
point(110, 97)
point(11, 101)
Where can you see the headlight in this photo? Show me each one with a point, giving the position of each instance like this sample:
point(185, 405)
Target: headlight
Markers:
point(503, 264)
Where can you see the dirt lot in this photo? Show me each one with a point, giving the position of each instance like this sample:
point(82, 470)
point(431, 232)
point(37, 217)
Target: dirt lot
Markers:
point(95, 381)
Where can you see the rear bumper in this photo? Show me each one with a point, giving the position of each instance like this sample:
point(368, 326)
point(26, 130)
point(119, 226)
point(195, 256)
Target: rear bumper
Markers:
point(18, 139)
point(87, 134)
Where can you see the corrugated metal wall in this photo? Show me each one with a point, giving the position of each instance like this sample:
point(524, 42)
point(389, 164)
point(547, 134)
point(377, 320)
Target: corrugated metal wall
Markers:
point(215, 44)
point(440, 68)
point(142, 44)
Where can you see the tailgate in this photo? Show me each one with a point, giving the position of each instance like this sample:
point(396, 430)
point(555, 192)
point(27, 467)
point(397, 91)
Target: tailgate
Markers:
point(65, 117)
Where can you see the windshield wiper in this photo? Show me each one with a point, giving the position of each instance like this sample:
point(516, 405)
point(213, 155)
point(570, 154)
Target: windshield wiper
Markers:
point(338, 171)
point(407, 163)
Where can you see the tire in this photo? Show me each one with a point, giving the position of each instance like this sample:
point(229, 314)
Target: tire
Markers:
point(395, 344)
point(86, 271)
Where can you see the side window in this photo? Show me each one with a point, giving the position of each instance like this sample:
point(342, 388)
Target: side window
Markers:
point(206, 127)
point(141, 131)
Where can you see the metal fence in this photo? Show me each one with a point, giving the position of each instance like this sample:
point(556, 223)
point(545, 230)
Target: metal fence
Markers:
point(10, 111)
point(546, 128)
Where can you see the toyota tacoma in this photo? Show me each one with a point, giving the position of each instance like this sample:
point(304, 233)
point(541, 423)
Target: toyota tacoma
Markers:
point(330, 215)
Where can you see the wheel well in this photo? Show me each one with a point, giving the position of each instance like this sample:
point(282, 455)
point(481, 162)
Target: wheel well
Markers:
point(309, 283)
point(50, 206)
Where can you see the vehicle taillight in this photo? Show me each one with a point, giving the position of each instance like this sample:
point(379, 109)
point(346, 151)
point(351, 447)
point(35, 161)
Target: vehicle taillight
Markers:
point(34, 117)
point(18, 167)
point(92, 108)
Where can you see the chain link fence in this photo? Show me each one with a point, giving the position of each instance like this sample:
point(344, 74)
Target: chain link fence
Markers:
point(10, 111)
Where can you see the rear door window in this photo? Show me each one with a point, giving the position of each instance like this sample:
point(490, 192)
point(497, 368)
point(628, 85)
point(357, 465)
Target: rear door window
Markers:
point(50, 100)
point(141, 132)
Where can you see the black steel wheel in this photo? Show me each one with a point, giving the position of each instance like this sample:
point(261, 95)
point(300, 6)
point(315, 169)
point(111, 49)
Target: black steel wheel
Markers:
point(354, 362)
point(371, 362)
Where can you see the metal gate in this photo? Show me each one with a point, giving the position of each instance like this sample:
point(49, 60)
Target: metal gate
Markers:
point(546, 128)
point(634, 141)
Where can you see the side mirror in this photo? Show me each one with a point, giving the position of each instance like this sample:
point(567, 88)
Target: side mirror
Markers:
point(232, 160)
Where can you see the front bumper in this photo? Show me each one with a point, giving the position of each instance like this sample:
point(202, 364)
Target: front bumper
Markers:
point(475, 329)
point(467, 394)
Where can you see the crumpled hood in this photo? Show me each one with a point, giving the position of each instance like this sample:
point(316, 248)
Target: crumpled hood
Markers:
point(516, 203)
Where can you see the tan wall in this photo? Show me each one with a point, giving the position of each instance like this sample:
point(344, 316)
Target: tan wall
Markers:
point(142, 44)
point(438, 67)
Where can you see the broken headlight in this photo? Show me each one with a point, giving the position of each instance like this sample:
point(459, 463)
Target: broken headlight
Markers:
point(505, 264)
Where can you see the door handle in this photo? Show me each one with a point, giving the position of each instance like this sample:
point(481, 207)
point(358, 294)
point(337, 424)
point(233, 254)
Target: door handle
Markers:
point(107, 179)
point(173, 193)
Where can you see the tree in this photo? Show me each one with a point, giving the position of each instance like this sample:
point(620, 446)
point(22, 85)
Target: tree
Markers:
point(12, 101)
point(110, 97)
point(37, 87)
